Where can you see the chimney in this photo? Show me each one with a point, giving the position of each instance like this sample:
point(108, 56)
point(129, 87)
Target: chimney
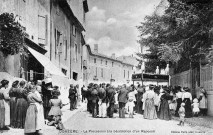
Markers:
point(96, 48)
point(113, 56)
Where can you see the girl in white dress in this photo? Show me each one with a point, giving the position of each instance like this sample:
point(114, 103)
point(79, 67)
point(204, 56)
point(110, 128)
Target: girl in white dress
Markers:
point(195, 106)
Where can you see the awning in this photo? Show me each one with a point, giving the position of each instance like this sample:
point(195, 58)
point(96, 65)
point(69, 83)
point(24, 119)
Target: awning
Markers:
point(48, 65)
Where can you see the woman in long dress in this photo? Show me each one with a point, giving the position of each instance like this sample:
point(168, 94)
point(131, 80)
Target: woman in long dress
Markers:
point(5, 91)
point(203, 102)
point(21, 105)
point(2, 111)
point(149, 110)
point(178, 100)
point(187, 99)
point(32, 123)
point(4, 106)
point(13, 97)
point(164, 106)
point(139, 98)
point(157, 99)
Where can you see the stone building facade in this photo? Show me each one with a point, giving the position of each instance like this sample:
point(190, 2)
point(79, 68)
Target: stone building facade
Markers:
point(53, 30)
point(99, 68)
point(34, 16)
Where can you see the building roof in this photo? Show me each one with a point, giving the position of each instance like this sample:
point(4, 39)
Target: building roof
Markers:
point(65, 5)
point(105, 56)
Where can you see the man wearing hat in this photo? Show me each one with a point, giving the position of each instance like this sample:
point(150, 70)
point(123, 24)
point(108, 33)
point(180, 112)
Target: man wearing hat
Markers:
point(89, 98)
point(94, 95)
point(102, 101)
point(46, 92)
point(111, 101)
point(122, 100)
point(72, 97)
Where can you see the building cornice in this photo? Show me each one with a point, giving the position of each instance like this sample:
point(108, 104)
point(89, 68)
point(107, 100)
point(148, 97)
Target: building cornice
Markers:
point(104, 56)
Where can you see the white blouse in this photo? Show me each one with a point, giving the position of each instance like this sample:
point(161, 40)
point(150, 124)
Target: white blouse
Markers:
point(179, 95)
point(187, 95)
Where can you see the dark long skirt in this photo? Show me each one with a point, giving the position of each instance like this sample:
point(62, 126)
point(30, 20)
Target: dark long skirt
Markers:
point(30, 122)
point(188, 108)
point(111, 110)
point(2, 114)
point(21, 111)
point(89, 106)
point(122, 110)
point(179, 101)
point(139, 107)
point(12, 111)
point(149, 111)
point(164, 112)
point(46, 106)
point(94, 110)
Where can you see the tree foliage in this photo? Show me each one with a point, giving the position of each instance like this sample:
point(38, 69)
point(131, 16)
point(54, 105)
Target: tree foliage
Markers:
point(11, 34)
point(180, 36)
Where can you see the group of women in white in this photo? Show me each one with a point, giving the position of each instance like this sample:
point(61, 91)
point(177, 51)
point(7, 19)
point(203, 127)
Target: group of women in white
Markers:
point(162, 102)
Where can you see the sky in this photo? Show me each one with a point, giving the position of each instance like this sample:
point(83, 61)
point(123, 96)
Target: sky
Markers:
point(112, 24)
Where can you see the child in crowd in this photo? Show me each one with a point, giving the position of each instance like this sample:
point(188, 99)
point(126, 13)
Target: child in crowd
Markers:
point(173, 103)
point(131, 106)
point(182, 114)
point(116, 102)
point(195, 106)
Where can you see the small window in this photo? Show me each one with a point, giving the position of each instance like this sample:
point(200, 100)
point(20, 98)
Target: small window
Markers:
point(64, 71)
point(75, 76)
point(94, 60)
point(73, 30)
point(102, 72)
point(101, 61)
point(112, 64)
point(124, 73)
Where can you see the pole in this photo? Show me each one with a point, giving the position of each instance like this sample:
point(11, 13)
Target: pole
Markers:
point(200, 69)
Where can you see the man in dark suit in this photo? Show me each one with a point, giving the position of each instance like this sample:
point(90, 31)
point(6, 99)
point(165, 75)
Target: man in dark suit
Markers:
point(72, 97)
point(94, 95)
point(89, 98)
point(102, 101)
point(111, 101)
point(122, 100)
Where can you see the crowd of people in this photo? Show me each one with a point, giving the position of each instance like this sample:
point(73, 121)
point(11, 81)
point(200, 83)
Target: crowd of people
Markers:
point(152, 101)
point(26, 106)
